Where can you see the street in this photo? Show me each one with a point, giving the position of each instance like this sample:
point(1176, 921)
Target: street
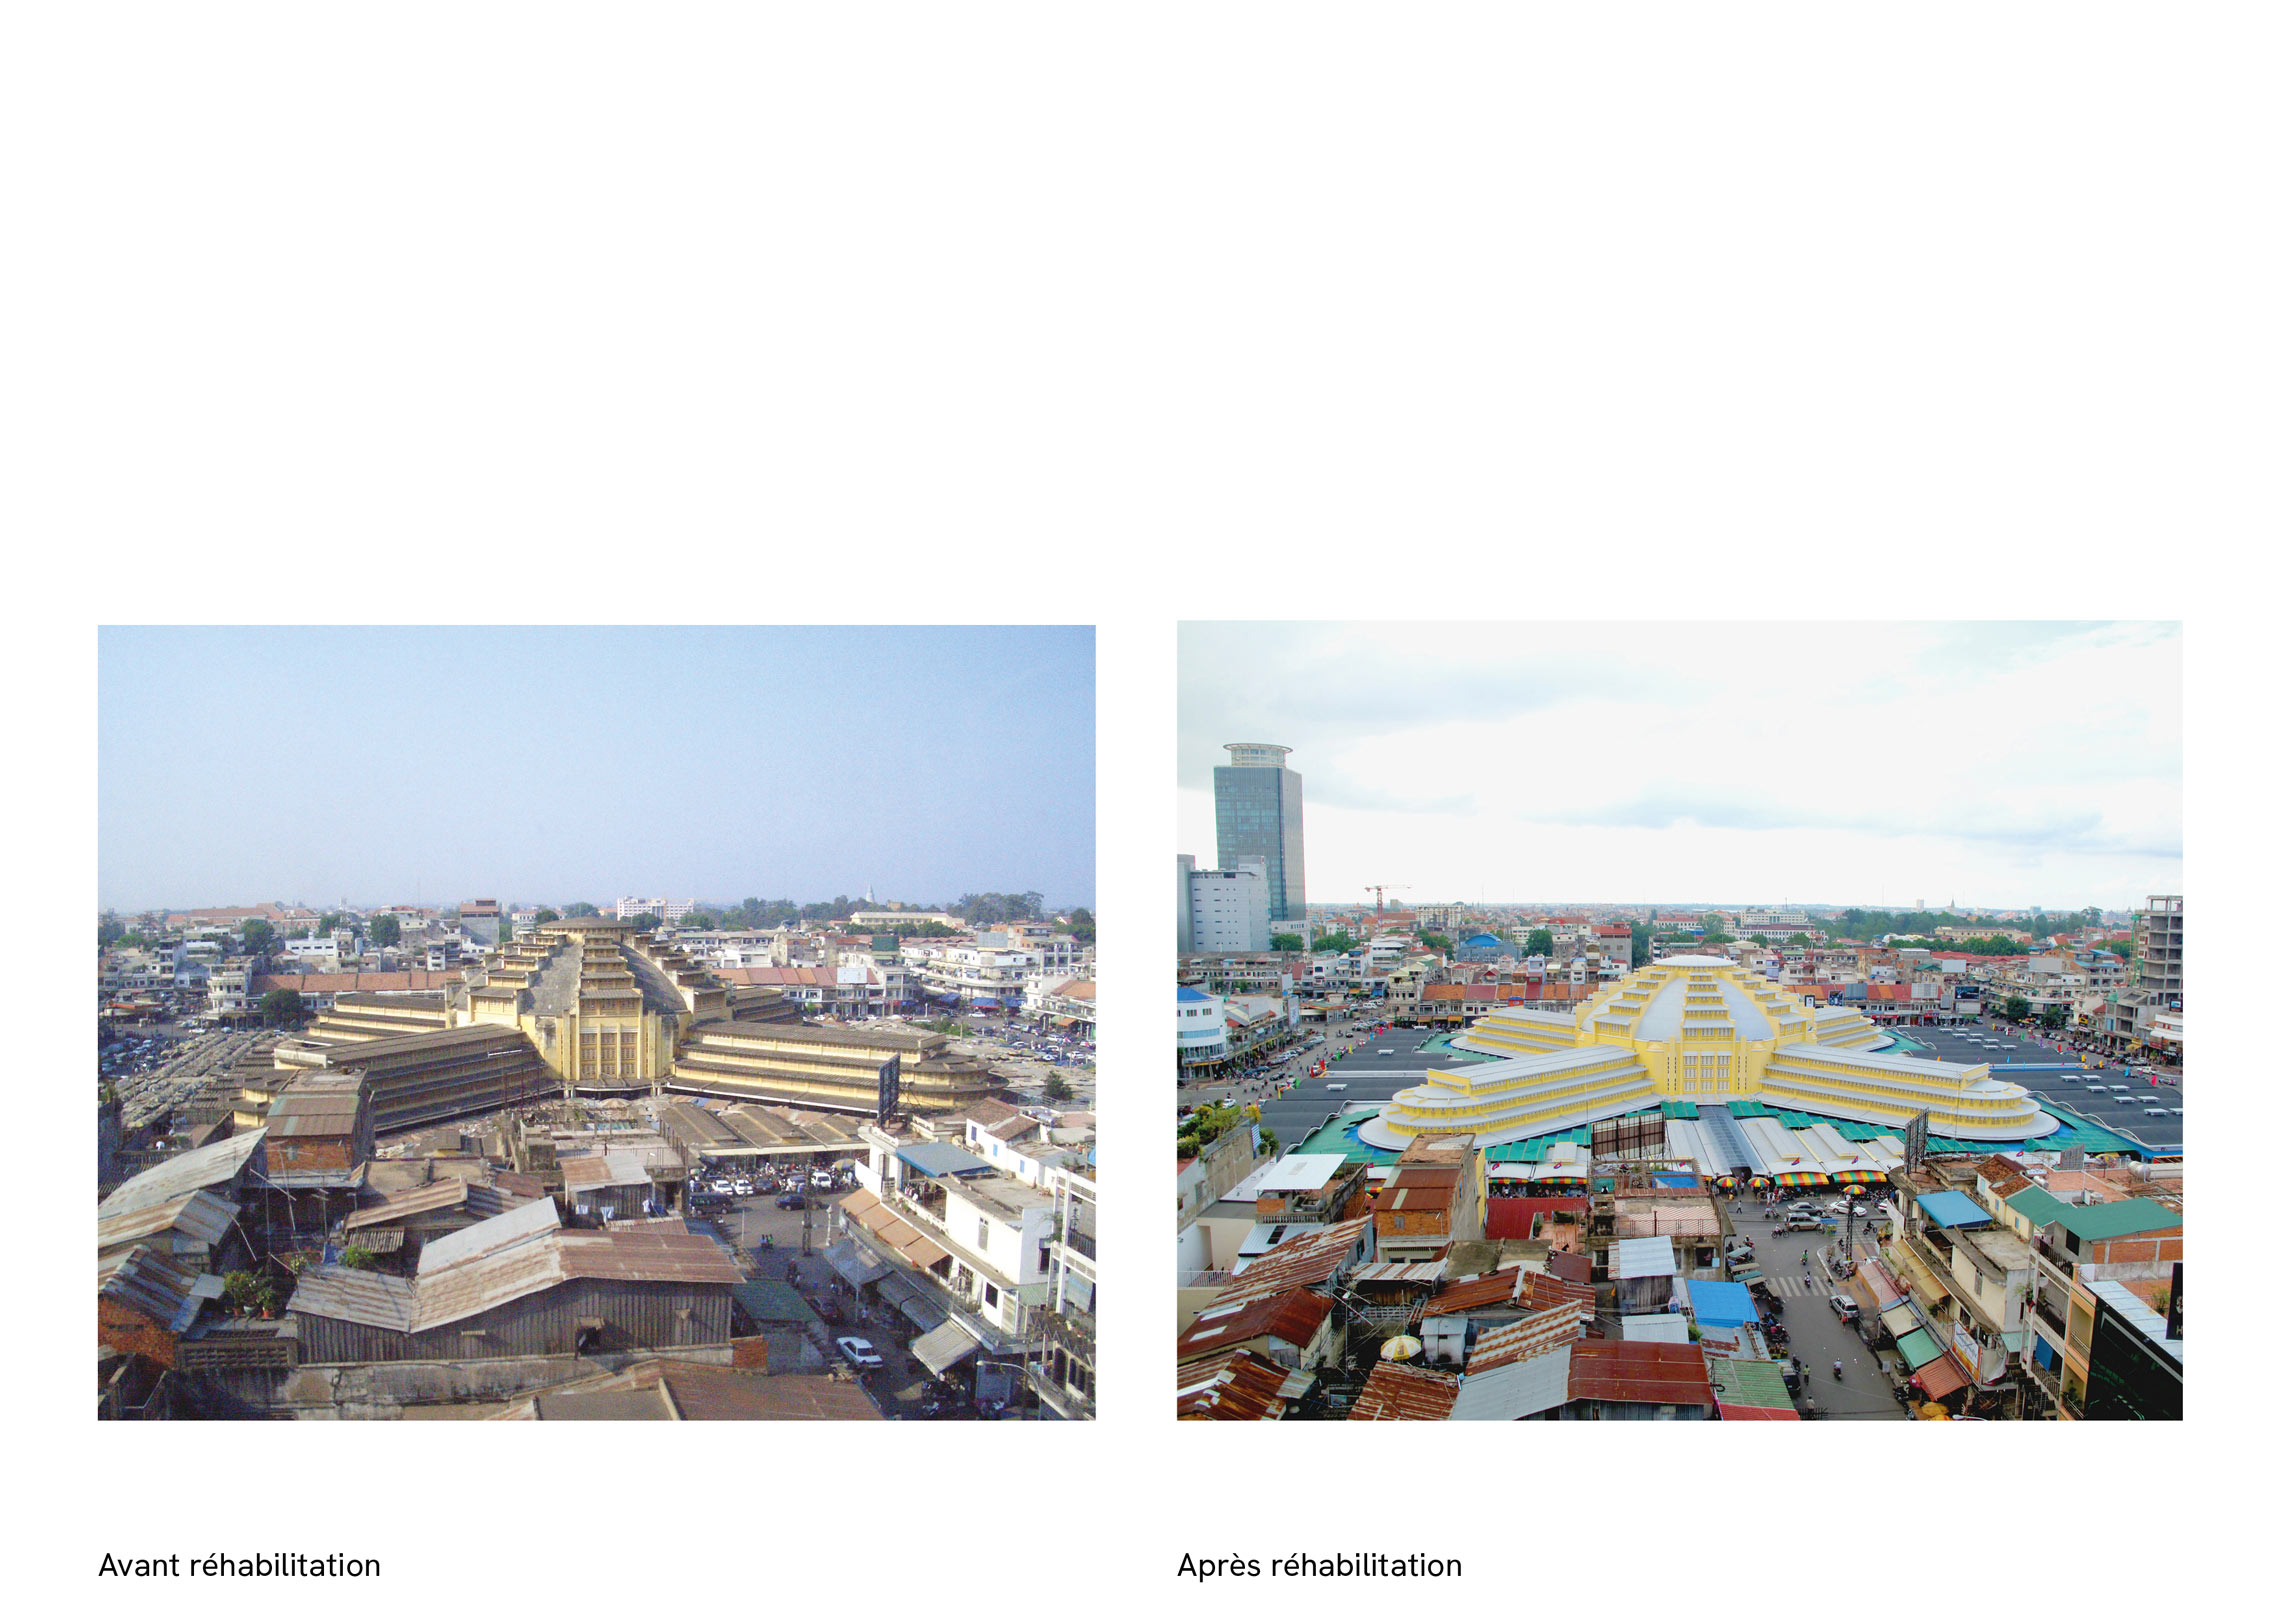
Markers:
point(1817, 1339)
point(899, 1386)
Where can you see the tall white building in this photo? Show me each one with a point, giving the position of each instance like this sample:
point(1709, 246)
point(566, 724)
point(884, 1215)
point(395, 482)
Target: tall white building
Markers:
point(664, 907)
point(1227, 908)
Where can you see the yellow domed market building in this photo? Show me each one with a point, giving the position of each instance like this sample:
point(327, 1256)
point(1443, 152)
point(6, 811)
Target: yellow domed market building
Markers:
point(1692, 1031)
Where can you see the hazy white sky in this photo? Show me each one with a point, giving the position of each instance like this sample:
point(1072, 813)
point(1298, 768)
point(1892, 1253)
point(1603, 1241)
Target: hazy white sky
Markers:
point(1871, 763)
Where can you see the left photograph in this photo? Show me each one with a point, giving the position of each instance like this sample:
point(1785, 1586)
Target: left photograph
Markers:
point(595, 1024)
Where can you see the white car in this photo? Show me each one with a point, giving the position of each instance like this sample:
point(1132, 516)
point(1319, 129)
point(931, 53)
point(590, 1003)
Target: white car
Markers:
point(743, 1189)
point(860, 1354)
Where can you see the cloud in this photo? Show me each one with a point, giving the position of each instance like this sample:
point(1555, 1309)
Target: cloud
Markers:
point(1926, 746)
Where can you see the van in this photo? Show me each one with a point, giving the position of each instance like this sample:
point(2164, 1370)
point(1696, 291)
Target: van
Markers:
point(1804, 1217)
point(1846, 1309)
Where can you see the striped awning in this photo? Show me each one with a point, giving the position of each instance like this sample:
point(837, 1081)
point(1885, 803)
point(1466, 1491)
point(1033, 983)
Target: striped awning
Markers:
point(1865, 1178)
point(1801, 1178)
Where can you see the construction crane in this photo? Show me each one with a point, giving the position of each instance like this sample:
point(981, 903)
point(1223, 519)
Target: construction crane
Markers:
point(1381, 889)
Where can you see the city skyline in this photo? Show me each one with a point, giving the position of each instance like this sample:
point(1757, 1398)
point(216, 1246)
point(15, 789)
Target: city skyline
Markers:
point(243, 765)
point(1873, 764)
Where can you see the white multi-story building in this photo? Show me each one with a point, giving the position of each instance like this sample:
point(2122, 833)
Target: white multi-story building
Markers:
point(228, 988)
point(1227, 908)
point(1062, 998)
point(973, 974)
point(316, 956)
point(664, 907)
point(1202, 1027)
point(976, 1243)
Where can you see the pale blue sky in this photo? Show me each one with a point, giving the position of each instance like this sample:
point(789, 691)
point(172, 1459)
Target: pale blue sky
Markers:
point(238, 765)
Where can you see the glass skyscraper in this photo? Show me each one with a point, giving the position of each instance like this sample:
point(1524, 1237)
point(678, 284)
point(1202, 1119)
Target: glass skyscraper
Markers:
point(1262, 816)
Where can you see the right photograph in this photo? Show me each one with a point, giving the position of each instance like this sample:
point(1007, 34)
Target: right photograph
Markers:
point(1681, 1021)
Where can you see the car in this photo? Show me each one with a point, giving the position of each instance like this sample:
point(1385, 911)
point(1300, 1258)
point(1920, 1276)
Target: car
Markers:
point(1845, 1308)
point(860, 1354)
point(791, 1200)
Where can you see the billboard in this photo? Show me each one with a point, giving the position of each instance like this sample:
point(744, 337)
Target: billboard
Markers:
point(890, 1089)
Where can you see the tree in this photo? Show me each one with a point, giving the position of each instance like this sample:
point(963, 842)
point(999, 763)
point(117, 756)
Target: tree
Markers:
point(1539, 944)
point(1336, 941)
point(1080, 922)
point(2054, 1018)
point(1286, 943)
point(2014, 1007)
point(359, 1259)
point(385, 930)
point(1642, 944)
point(581, 909)
point(2125, 950)
point(1058, 1090)
point(259, 935)
point(648, 921)
point(547, 915)
point(281, 1007)
point(327, 924)
point(1717, 937)
point(1437, 942)
point(108, 932)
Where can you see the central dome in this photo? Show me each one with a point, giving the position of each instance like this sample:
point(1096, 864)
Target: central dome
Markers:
point(1693, 1029)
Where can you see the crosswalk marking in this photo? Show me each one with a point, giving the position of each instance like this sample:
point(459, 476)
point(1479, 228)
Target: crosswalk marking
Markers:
point(1787, 1287)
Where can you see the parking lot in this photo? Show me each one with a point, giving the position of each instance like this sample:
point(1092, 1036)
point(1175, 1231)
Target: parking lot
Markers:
point(2076, 1097)
point(1373, 1072)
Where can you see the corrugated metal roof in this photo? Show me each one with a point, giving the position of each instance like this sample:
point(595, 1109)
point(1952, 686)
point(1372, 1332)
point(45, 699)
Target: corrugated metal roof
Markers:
point(1528, 1337)
point(1399, 1393)
point(1293, 1317)
point(204, 1216)
point(1539, 1291)
point(598, 1172)
point(1425, 1271)
point(369, 1298)
point(2094, 1222)
point(151, 1284)
point(185, 1173)
point(625, 1254)
point(1748, 1383)
point(1635, 1257)
point(488, 1236)
point(1303, 1261)
point(1640, 1373)
point(1244, 1388)
point(1507, 1393)
point(1664, 1326)
point(1480, 1293)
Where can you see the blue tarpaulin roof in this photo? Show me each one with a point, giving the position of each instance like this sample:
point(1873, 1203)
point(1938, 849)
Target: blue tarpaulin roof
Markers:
point(1953, 1209)
point(1721, 1304)
point(940, 1158)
